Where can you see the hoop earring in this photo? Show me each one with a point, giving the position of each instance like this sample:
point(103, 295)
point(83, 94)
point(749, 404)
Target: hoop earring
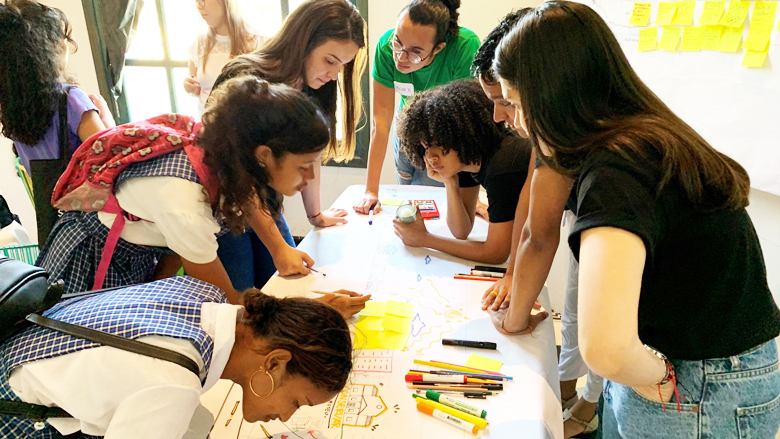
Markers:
point(252, 387)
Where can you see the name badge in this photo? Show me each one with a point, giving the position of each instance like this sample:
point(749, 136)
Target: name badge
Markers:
point(404, 88)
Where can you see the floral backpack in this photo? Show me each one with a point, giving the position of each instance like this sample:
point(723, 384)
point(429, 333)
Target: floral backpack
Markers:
point(87, 184)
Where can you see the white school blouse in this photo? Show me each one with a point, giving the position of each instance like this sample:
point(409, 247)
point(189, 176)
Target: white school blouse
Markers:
point(177, 213)
point(121, 395)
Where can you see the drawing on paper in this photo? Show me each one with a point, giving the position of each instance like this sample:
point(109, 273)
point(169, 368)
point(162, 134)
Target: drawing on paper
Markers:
point(374, 360)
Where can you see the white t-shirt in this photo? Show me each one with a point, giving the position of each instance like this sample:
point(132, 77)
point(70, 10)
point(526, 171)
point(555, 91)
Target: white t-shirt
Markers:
point(218, 57)
point(177, 213)
point(122, 395)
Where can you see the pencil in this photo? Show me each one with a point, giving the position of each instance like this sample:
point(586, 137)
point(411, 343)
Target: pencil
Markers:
point(464, 277)
point(266, 432)
point(456, 367)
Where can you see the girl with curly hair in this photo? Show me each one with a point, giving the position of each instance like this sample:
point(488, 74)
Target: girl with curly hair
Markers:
point(258, 142)
point(319, 50)
point(36, 41)
point(450, 133)
point(675, 310)
point(227, 36)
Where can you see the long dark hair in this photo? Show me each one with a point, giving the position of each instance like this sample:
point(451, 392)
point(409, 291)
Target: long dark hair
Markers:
point(248, 112)
point(482, 67)
point(314, 333)
point(456, 117)
point(281, 59)
point(242, 40)
point(441, 14)
point(31, 36)
point(579, 94)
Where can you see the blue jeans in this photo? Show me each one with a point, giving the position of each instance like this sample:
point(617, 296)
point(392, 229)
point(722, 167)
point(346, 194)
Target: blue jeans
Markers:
point(404, 171)
point(246, 259)
point(722, 398)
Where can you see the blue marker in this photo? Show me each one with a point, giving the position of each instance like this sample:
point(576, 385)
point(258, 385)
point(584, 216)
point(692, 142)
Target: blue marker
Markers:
point(371, 216)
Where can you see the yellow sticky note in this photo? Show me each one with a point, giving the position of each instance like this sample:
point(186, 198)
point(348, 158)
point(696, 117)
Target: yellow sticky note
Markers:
point(684, 16)
point(763, 15)
point(670, 38)
point(373, 308)
point(400, 309)
point(640, 16)
point(480, 362)
point(729, 41)
point(735, 16)
point(757, 38)
point(648, 39)
point(711, 37)
point(397, 324)
point(379, 340)
point(370, 323)
point(392, 202)
point(754, 58)
point(691, 39)
point(712, 13)
point(666, 11)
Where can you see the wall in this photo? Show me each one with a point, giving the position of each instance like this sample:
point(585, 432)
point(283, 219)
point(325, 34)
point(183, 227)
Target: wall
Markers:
point(764, 208)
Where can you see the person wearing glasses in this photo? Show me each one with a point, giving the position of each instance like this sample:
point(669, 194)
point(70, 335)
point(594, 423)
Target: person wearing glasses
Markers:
point(426, 48)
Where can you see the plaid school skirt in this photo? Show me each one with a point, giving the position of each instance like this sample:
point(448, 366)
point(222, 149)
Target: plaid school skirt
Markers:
point(73, 249)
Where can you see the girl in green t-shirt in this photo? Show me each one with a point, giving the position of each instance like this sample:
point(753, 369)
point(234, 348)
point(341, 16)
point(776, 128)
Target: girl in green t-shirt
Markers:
point(426, 48)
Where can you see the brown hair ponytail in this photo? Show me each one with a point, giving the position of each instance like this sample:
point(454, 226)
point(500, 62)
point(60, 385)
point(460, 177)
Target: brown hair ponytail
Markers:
point(441, 14)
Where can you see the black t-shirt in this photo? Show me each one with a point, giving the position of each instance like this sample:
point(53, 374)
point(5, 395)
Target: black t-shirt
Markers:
point(502, 175)
point(704, 288)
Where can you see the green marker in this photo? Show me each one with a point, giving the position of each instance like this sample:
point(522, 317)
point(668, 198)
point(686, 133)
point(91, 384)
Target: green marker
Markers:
point(454, 403)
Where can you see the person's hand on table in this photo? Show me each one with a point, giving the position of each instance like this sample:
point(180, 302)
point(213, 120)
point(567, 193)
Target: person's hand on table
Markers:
point(348, 303)
point(330, 217)
point(370, 199)
point(482, 210)
point(498, 295)
point(508, 325)
point(289, 261)
point(414, 234)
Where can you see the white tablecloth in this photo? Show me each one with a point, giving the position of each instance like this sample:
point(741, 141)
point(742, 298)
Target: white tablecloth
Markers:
point(377, 404)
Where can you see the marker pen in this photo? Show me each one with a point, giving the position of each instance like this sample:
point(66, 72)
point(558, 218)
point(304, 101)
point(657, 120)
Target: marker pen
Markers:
point(452, 420)
point(371, 216)
point(489, 268)
point(454, 403)
point(476, 420)
point(432, 378)
point(468, 343)
point(487, 274)
point(470, 395)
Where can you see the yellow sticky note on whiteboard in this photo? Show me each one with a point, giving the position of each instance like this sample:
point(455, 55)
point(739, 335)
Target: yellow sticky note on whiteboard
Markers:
point(670, 38)
point(711, 37)
point(648, 39)
point(763, 15)
point(666, 11)
point(735, 16)
point(729, 41)
point(401, 309)
point(485, 363)
point(684, 16)
point(712, 13)
point(754, 58)
point(692, 39)
point(758, 38)
point(640, 16)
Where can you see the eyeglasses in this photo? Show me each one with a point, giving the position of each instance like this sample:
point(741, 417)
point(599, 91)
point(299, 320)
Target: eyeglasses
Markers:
point(413, 57)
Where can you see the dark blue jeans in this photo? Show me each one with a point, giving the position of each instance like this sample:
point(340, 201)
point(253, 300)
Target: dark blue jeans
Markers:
point(246, 259)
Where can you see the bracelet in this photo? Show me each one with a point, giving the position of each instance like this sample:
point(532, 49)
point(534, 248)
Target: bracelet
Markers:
point(313, 217)
point(515, 332)
point(669, 369)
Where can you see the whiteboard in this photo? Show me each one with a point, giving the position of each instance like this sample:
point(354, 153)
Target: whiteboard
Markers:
point(736, 109)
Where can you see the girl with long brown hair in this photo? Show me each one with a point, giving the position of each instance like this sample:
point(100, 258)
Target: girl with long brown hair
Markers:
point(674, 307)
point(227, 36)
point(319, 50)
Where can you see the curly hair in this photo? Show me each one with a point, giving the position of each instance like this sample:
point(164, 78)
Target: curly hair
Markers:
point(314, 333)
point(456, 116)
point(483, 59)
point(248, 112)
point(442, 14)
point(32, 38)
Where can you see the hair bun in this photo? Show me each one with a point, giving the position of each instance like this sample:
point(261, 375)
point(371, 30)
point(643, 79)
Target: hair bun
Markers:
point(452, 5)
point(260, 307)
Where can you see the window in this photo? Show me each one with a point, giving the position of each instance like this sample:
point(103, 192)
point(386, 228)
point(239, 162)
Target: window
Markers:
point(156, 63)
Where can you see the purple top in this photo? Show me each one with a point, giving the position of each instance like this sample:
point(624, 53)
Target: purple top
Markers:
point(49, 147)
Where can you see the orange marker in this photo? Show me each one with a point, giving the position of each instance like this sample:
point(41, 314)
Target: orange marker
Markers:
point(452, 420)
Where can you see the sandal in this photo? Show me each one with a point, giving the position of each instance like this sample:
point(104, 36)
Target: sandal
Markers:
point(569, 403)
point(590, 426)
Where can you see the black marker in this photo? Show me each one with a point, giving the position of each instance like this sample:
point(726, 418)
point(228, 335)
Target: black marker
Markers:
point(469, 344)
point(489, 268)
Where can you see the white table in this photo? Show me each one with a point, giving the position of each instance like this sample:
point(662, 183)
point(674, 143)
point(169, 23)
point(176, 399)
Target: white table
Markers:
point(377, 404)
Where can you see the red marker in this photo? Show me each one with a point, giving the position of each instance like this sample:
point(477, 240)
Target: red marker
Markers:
point(431, 378)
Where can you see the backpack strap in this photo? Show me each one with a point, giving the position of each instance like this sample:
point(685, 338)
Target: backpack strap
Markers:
point(112, 240)
point(63, 115)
